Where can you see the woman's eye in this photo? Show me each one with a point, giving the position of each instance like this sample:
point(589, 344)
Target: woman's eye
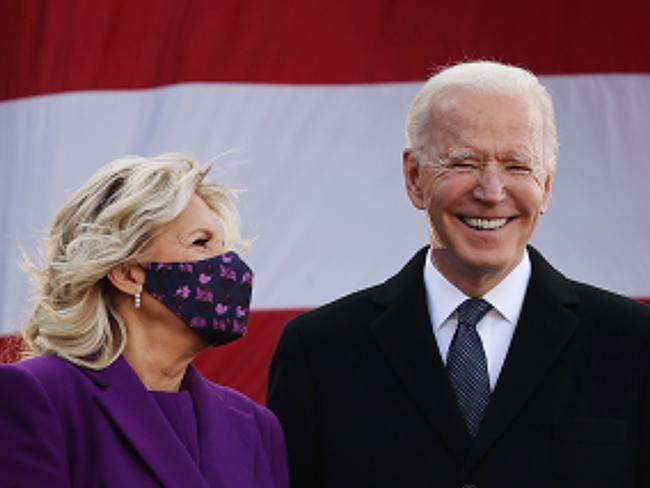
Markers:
point(201, 242)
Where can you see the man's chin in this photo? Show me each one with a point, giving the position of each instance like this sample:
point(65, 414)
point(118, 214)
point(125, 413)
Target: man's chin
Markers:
point(490, 262)
point(476, 261)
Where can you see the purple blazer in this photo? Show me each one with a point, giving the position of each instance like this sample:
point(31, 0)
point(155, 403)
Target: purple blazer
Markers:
point(62, 426)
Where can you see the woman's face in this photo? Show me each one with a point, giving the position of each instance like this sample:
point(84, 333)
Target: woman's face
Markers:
point(192, 236)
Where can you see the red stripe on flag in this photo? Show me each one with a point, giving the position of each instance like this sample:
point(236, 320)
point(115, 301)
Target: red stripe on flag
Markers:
point(11, 348)
point(242, 365)
point(70, 45)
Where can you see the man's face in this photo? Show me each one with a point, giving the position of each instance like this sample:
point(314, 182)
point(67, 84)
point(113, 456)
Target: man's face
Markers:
point(484, 185)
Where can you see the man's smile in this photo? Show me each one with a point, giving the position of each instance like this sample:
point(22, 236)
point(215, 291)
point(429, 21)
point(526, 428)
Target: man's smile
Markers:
point(481, 223)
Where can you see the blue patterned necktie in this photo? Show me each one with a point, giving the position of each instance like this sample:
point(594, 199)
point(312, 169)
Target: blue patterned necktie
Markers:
point(467, 365)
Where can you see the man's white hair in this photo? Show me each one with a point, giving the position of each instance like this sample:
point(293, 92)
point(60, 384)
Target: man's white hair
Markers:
point(487, 76)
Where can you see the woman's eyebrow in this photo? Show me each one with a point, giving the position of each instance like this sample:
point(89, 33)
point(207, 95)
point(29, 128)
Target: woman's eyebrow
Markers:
point(200, 230)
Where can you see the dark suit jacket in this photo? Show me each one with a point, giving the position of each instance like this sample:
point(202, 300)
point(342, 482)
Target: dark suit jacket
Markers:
point(364, 398)
point(64, 426)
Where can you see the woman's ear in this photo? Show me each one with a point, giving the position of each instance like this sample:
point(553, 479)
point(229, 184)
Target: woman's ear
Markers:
point(127, 278)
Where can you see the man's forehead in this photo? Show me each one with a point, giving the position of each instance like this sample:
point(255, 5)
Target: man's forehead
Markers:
point(452, 99)
point(464, 110)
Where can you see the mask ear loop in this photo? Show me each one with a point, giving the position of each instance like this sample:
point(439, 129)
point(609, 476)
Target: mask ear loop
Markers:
point(137, 298)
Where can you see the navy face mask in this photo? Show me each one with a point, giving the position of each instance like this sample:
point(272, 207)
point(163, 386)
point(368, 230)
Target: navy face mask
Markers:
point(211, 296)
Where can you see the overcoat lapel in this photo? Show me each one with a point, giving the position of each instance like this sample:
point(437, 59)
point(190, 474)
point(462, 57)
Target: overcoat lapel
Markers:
point(133, 411)
point(545, 326)
point(405, 336)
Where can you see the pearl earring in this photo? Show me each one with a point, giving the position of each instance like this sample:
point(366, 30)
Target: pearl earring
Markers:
point(137, 298)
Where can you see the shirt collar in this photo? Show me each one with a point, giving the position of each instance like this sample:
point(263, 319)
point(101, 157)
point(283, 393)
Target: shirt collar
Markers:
point(507, 297)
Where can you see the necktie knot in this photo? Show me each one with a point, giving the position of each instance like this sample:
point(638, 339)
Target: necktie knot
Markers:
point(472, 310)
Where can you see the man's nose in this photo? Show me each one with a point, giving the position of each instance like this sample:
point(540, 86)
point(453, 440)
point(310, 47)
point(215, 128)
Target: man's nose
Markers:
point(490, 185)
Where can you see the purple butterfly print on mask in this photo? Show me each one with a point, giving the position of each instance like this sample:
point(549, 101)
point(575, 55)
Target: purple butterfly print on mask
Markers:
point(183, 292)
point(204, 295)
point(223, 280)
point(239, 327)
point(227, 272)
point(198, 322)
point(247, 278)
point(219, 325)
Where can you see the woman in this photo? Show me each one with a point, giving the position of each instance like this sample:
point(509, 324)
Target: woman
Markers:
point(140, 276)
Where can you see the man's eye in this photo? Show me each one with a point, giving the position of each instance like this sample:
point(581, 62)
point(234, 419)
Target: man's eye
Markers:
point(464, 164)
point(518, 168)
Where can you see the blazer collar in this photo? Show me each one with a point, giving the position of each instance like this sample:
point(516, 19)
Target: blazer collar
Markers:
point(133, 411)
point(227, 432)
point(403, 332)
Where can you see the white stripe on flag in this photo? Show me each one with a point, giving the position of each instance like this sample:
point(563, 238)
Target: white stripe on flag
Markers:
point(322, 166)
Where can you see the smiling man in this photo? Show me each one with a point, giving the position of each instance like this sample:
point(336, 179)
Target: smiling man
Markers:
point(479, 168)
point(478, 364)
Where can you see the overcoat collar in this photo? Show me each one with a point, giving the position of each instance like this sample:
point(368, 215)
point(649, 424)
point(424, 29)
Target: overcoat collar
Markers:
point(404, 334)
point(224, 433)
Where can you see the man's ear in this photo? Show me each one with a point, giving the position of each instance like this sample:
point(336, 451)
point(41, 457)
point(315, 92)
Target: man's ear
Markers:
point(127, 278)
point(411, 169)
point(548, 185)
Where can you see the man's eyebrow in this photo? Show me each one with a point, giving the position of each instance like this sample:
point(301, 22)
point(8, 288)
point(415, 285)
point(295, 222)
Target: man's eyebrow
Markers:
point(458, 152)
point(521, 156)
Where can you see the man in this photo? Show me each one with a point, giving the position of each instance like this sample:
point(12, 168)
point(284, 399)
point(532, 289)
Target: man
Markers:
point(478, 364)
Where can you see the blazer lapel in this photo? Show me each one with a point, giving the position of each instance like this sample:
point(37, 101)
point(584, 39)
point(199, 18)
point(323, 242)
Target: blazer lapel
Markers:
point(227, 433)
point(405, 336)
point(545, 326)
point(133, 411)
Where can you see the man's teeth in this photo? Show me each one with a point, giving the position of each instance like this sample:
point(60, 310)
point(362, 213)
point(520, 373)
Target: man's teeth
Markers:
point(485, 224)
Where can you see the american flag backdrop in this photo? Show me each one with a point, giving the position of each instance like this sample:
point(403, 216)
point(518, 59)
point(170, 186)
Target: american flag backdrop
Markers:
point(305, 101)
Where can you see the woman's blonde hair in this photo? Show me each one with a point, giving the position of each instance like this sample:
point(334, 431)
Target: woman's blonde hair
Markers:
point(108, 223)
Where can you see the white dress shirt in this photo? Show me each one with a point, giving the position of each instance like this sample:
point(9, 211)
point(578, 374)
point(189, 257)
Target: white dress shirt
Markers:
point(496, 328)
